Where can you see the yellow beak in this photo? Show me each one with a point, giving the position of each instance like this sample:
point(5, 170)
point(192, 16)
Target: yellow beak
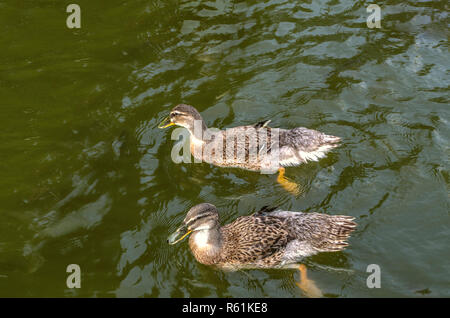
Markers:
point(163, 123)
point(173, 238)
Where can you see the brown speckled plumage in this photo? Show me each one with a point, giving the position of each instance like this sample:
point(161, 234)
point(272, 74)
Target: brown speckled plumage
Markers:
point(266, 239)
point(253, 147)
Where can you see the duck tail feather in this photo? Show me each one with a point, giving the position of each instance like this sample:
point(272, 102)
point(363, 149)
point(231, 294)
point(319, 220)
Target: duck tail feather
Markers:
point(336, 233)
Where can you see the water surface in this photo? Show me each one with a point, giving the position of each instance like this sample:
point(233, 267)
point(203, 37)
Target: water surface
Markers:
point(87, 177)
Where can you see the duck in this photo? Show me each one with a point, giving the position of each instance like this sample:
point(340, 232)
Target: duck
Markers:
point(255, 147)
point(268, 238)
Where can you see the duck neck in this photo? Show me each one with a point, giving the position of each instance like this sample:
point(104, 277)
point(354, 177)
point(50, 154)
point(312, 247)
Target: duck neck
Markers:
point(206, 245)
point(198, 129)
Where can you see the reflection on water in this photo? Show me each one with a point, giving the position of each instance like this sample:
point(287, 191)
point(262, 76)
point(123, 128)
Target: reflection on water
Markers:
point(87, 176)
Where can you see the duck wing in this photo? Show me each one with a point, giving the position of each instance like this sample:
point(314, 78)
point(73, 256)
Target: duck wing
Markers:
point(262, 124)
point(265, 209)
point(255, 239)
point(321, 232)
point(244, 144)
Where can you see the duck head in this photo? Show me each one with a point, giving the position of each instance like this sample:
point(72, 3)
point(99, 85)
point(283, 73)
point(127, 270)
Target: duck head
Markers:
point(200, 218)
point(183, 115)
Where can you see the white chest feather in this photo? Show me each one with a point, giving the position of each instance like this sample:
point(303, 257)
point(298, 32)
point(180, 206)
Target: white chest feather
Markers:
point(201, 239)
point(196, 147)
point(195, 141)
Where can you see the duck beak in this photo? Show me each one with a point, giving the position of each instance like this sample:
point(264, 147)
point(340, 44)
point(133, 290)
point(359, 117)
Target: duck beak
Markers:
point(178, 235)
point(164, 124)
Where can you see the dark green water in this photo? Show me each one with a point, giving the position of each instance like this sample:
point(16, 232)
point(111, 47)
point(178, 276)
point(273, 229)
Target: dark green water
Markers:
point(87, 178)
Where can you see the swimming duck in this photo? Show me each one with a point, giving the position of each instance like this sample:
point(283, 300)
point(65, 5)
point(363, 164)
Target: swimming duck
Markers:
point(255, 147)
point(268, 238)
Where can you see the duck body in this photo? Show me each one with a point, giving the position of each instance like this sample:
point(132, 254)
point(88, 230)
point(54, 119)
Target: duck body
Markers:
point(266, 239)
point(253, 147)
point(263, 148)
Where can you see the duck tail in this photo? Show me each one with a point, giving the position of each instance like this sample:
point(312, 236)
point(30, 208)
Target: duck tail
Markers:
point(336, 233)
point(308, 145)
point(320, 150)
point(331, 140)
